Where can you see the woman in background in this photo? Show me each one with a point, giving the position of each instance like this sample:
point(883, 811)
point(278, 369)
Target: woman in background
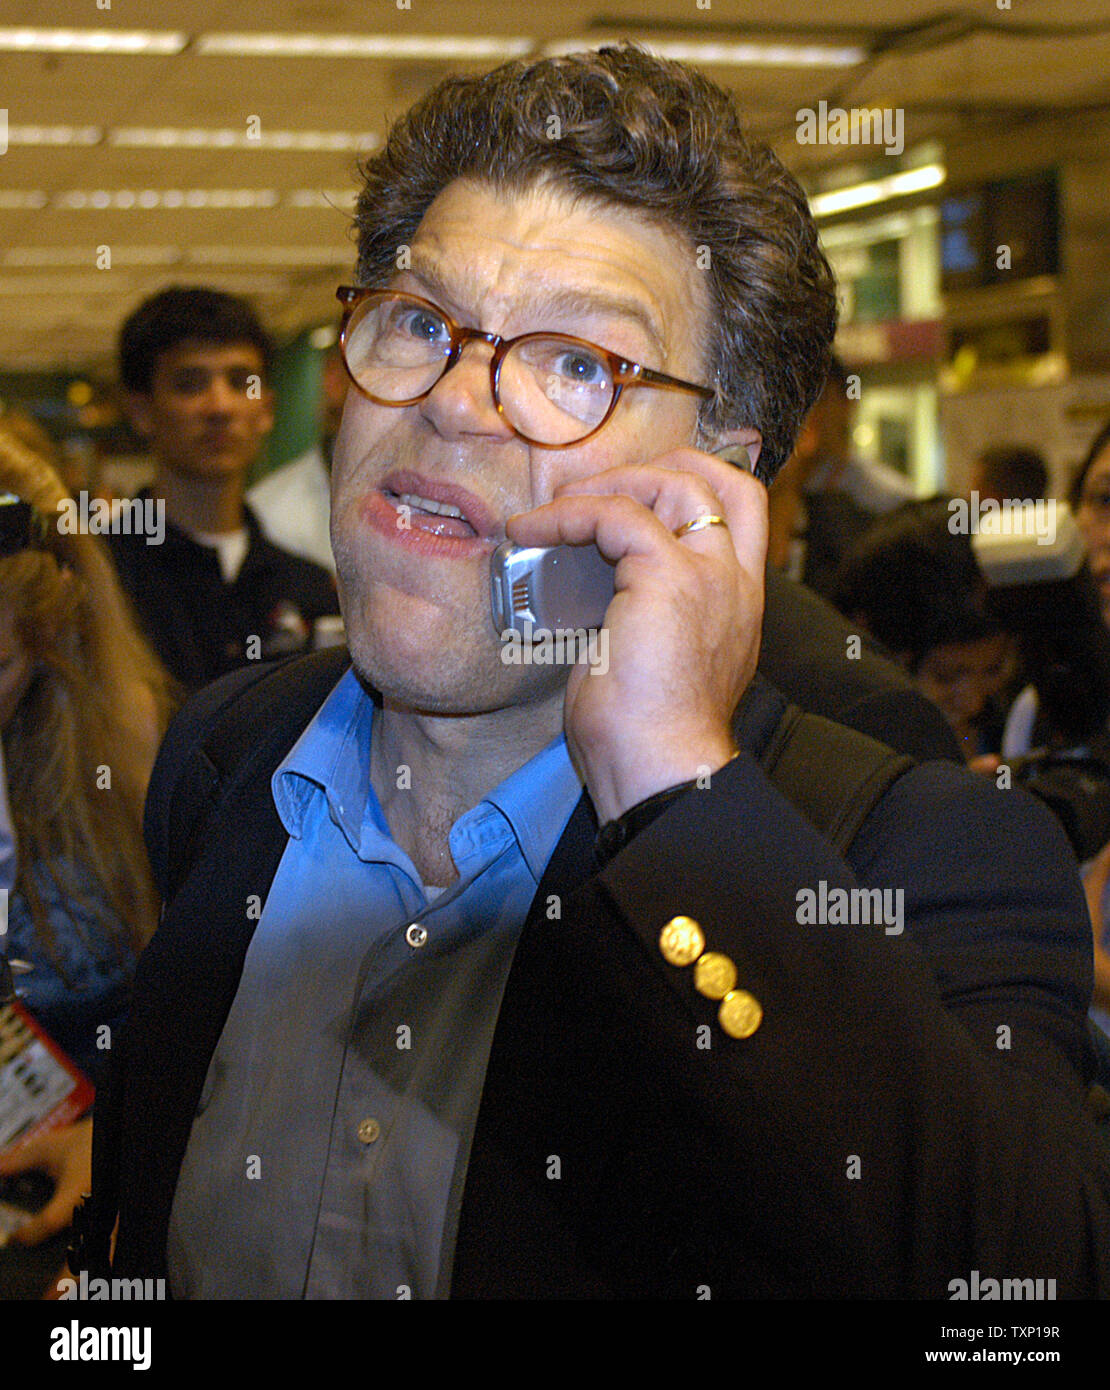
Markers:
point(83, 705)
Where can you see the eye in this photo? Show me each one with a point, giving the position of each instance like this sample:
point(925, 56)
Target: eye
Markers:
point(419, 324)
point(239, 379)
point(189, 381)
point(579, 366)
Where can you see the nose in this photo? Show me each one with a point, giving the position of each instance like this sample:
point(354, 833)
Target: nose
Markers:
point(461, 402)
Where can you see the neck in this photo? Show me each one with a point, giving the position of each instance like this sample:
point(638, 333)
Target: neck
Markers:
point(428, 770)
point(210, 505)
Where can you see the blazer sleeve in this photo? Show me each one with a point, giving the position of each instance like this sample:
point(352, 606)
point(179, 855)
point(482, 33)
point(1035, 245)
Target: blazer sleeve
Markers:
point(911, 1107)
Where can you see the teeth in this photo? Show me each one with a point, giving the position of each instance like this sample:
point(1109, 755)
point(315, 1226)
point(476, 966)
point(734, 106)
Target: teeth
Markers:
point(425, 504)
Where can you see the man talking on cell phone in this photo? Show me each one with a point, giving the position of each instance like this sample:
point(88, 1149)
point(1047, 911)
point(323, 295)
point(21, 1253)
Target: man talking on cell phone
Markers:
point(481, 979)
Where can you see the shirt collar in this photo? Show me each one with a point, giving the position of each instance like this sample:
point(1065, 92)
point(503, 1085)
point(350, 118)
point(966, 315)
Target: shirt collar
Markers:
point(333, 756)
point(537, 800)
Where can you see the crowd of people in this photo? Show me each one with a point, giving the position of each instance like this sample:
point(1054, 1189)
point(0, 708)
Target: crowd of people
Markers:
point(498, 972)
point(1021, 677)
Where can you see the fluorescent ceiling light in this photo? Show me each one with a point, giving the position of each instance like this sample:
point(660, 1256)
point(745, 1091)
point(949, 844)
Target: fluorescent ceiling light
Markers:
point(169, 137)
point(38, 257)
point(54, 135)
point(18, 201)
point(861, 195)
point(98, 281)
point(148, 199)
point(27, 40)
point(18, 257)
point(330, 198)
point(447, 46)
point(268, 255)
point(743, 55)
point(99, 199)
point(95, 281)
point(882, 228)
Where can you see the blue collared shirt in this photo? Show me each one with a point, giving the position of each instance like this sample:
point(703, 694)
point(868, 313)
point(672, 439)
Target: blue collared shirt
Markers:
point(329, 1149)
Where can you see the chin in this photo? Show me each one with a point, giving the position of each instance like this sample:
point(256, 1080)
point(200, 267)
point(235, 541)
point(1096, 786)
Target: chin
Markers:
point(414, 652)
point(434, 668)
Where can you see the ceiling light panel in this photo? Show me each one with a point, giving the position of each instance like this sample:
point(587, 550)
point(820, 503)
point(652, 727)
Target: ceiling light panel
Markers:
point(861, 195)
point(36, 257)
point(54, 135)
point(20, 200)
point(447, 46)
point(29, 40)
point(149, 199)
point(173, 137)
point(712, 53)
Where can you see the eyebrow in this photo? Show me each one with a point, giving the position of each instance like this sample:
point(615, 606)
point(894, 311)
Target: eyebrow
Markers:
point(565, 299)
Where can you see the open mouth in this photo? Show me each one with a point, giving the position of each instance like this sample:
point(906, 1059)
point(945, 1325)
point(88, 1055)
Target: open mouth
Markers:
point(427, 514)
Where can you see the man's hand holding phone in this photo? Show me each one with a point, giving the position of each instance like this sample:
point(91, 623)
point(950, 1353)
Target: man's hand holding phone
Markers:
point(684, 623)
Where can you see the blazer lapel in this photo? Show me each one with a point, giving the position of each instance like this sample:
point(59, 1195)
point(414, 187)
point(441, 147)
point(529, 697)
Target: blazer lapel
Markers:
point(499, 1191)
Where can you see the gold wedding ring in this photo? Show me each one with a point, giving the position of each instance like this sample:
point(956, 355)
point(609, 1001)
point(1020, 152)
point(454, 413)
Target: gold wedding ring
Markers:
point(699, 523)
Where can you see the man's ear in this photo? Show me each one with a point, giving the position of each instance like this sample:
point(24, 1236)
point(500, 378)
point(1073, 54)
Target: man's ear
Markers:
point(140, 415)
point(734, 444)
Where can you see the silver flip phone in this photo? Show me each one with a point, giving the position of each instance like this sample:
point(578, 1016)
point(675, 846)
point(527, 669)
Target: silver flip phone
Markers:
point(553, 588)
point(559, 587)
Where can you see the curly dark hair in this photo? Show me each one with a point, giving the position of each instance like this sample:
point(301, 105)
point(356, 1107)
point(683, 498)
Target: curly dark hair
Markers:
point(185, 313)
point(623, 128)
point(915, 583)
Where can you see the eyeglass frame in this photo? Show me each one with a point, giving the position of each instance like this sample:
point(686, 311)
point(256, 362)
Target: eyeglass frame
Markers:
point(623, 371)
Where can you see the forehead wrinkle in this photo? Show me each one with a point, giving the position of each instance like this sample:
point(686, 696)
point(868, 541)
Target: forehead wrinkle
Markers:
point(442, 281)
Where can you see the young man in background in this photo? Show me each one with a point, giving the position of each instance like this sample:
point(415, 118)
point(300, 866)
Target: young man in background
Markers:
point(194, 366)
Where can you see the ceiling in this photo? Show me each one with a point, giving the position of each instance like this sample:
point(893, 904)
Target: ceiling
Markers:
point(970, 66)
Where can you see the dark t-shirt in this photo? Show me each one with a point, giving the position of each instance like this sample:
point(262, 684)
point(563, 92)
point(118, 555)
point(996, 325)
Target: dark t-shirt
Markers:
point(201, 626)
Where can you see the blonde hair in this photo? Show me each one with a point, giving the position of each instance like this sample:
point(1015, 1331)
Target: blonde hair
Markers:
point(80, 743)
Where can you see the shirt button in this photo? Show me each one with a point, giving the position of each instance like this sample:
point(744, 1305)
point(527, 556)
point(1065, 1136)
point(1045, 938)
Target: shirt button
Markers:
point(369, 1130)
point(415, 935)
